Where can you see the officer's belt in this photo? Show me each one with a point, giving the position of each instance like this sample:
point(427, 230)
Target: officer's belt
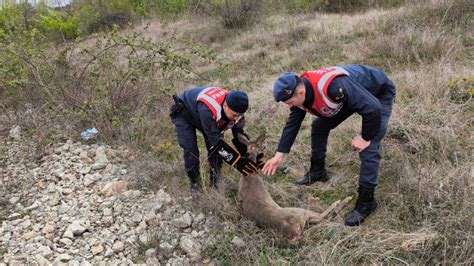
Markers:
point(186, 114)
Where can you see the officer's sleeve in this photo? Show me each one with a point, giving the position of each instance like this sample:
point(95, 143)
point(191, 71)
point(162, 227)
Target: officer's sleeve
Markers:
point(209, 125)
point(291, 129)
point(359, 99)
point(239, 127)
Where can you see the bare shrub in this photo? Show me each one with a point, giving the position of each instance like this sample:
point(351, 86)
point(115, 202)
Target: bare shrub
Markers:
point(357, 5)
point(233, 13)
point(120, 84)
point(107, 20)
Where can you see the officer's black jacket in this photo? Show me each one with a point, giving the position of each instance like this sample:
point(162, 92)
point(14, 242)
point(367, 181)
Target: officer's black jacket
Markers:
point(209, 125)
point(355, 97)
point(200, 116)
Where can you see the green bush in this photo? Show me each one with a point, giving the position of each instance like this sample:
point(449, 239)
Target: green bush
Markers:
point(10, 18)
point(171, 8)
point(57, 27)
point(461, 89)
point(97, 15)
point(303, 5)
point(119, 84)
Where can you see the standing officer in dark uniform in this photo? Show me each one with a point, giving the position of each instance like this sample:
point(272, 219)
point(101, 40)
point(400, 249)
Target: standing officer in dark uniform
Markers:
point(332, 95)
point(211, 110)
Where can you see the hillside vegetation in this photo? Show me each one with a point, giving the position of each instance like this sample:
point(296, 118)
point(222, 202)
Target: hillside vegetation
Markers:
point(64, 70)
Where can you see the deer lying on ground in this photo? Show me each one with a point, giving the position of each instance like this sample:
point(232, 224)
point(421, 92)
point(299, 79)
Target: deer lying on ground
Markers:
point(257, 204)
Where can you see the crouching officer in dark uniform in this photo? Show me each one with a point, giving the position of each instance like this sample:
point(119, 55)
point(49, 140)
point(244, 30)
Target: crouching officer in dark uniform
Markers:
point(211, 110)
point(332, 95)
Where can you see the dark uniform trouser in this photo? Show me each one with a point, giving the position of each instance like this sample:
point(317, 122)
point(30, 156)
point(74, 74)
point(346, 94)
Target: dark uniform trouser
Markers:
point(370, 157)
point(187, 139)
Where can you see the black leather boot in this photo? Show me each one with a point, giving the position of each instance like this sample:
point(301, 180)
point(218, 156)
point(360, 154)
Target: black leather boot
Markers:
point(317, 173)
point(195, 180)
point(365, 205)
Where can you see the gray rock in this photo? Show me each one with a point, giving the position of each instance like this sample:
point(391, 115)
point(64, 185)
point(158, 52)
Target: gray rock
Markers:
point(70, 223)
point(89, 179)
point(45, 251)
point(14, 200)
point(237, 241)
point(108, 252)
point(107, 212)
point(17, 262)
point(77, 151)
point(33, 206)
point(62, 258)
point(152, 262)
point(15, 132)
point(144, 238)
point(184, 221)
point(97, 249)
point(199, 218)
point(14, 216)
point(29, 235)
point(65, 241)
point(77, 228)
point(150, 252)
point(85, 263)
point(118, 246)
point(92, 241)
point(41, 261)
point(101, 160)
point(85, 170)
point(74, 263)
point(68, 234)
point(112, 169)
point(113, 188)
point(190, 246)
point(165, 248)
point(178, 261)
point(25, 224)
point(161, 199)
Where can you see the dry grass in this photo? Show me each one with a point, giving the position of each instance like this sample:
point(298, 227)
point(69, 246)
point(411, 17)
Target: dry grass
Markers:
point(426, 180)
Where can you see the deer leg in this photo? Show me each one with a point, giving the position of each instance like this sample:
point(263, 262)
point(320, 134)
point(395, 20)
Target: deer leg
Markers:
point(335, 207)
point(342, 204)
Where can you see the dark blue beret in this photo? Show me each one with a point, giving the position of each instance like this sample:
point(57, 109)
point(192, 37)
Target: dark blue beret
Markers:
point(238, 101)
point(284, 86)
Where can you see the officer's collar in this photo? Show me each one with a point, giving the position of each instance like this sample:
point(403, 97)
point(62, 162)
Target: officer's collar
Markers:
point(309, 95)
point(223, 116)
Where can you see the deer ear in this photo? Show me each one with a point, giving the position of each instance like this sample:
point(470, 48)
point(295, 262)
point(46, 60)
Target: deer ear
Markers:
point(261, 137)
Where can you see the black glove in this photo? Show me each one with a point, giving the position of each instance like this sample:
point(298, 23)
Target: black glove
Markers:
point(242, 148)
point(176, 108)
point(232, 157)
point(261, 160)
point(246, 166)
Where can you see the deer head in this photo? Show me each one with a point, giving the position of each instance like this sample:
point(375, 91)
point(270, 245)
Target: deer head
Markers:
point(253, 147)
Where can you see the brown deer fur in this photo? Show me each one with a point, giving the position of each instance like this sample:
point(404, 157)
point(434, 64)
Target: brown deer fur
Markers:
point(257, 204)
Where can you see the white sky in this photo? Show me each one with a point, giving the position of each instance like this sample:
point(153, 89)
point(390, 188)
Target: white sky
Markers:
point(53, 3)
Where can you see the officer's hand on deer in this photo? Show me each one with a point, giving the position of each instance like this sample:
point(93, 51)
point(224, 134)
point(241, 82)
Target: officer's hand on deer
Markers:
point(271, 165)
point(359, 144)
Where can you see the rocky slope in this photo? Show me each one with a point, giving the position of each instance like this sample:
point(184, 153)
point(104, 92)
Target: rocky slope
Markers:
point(75, 206)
